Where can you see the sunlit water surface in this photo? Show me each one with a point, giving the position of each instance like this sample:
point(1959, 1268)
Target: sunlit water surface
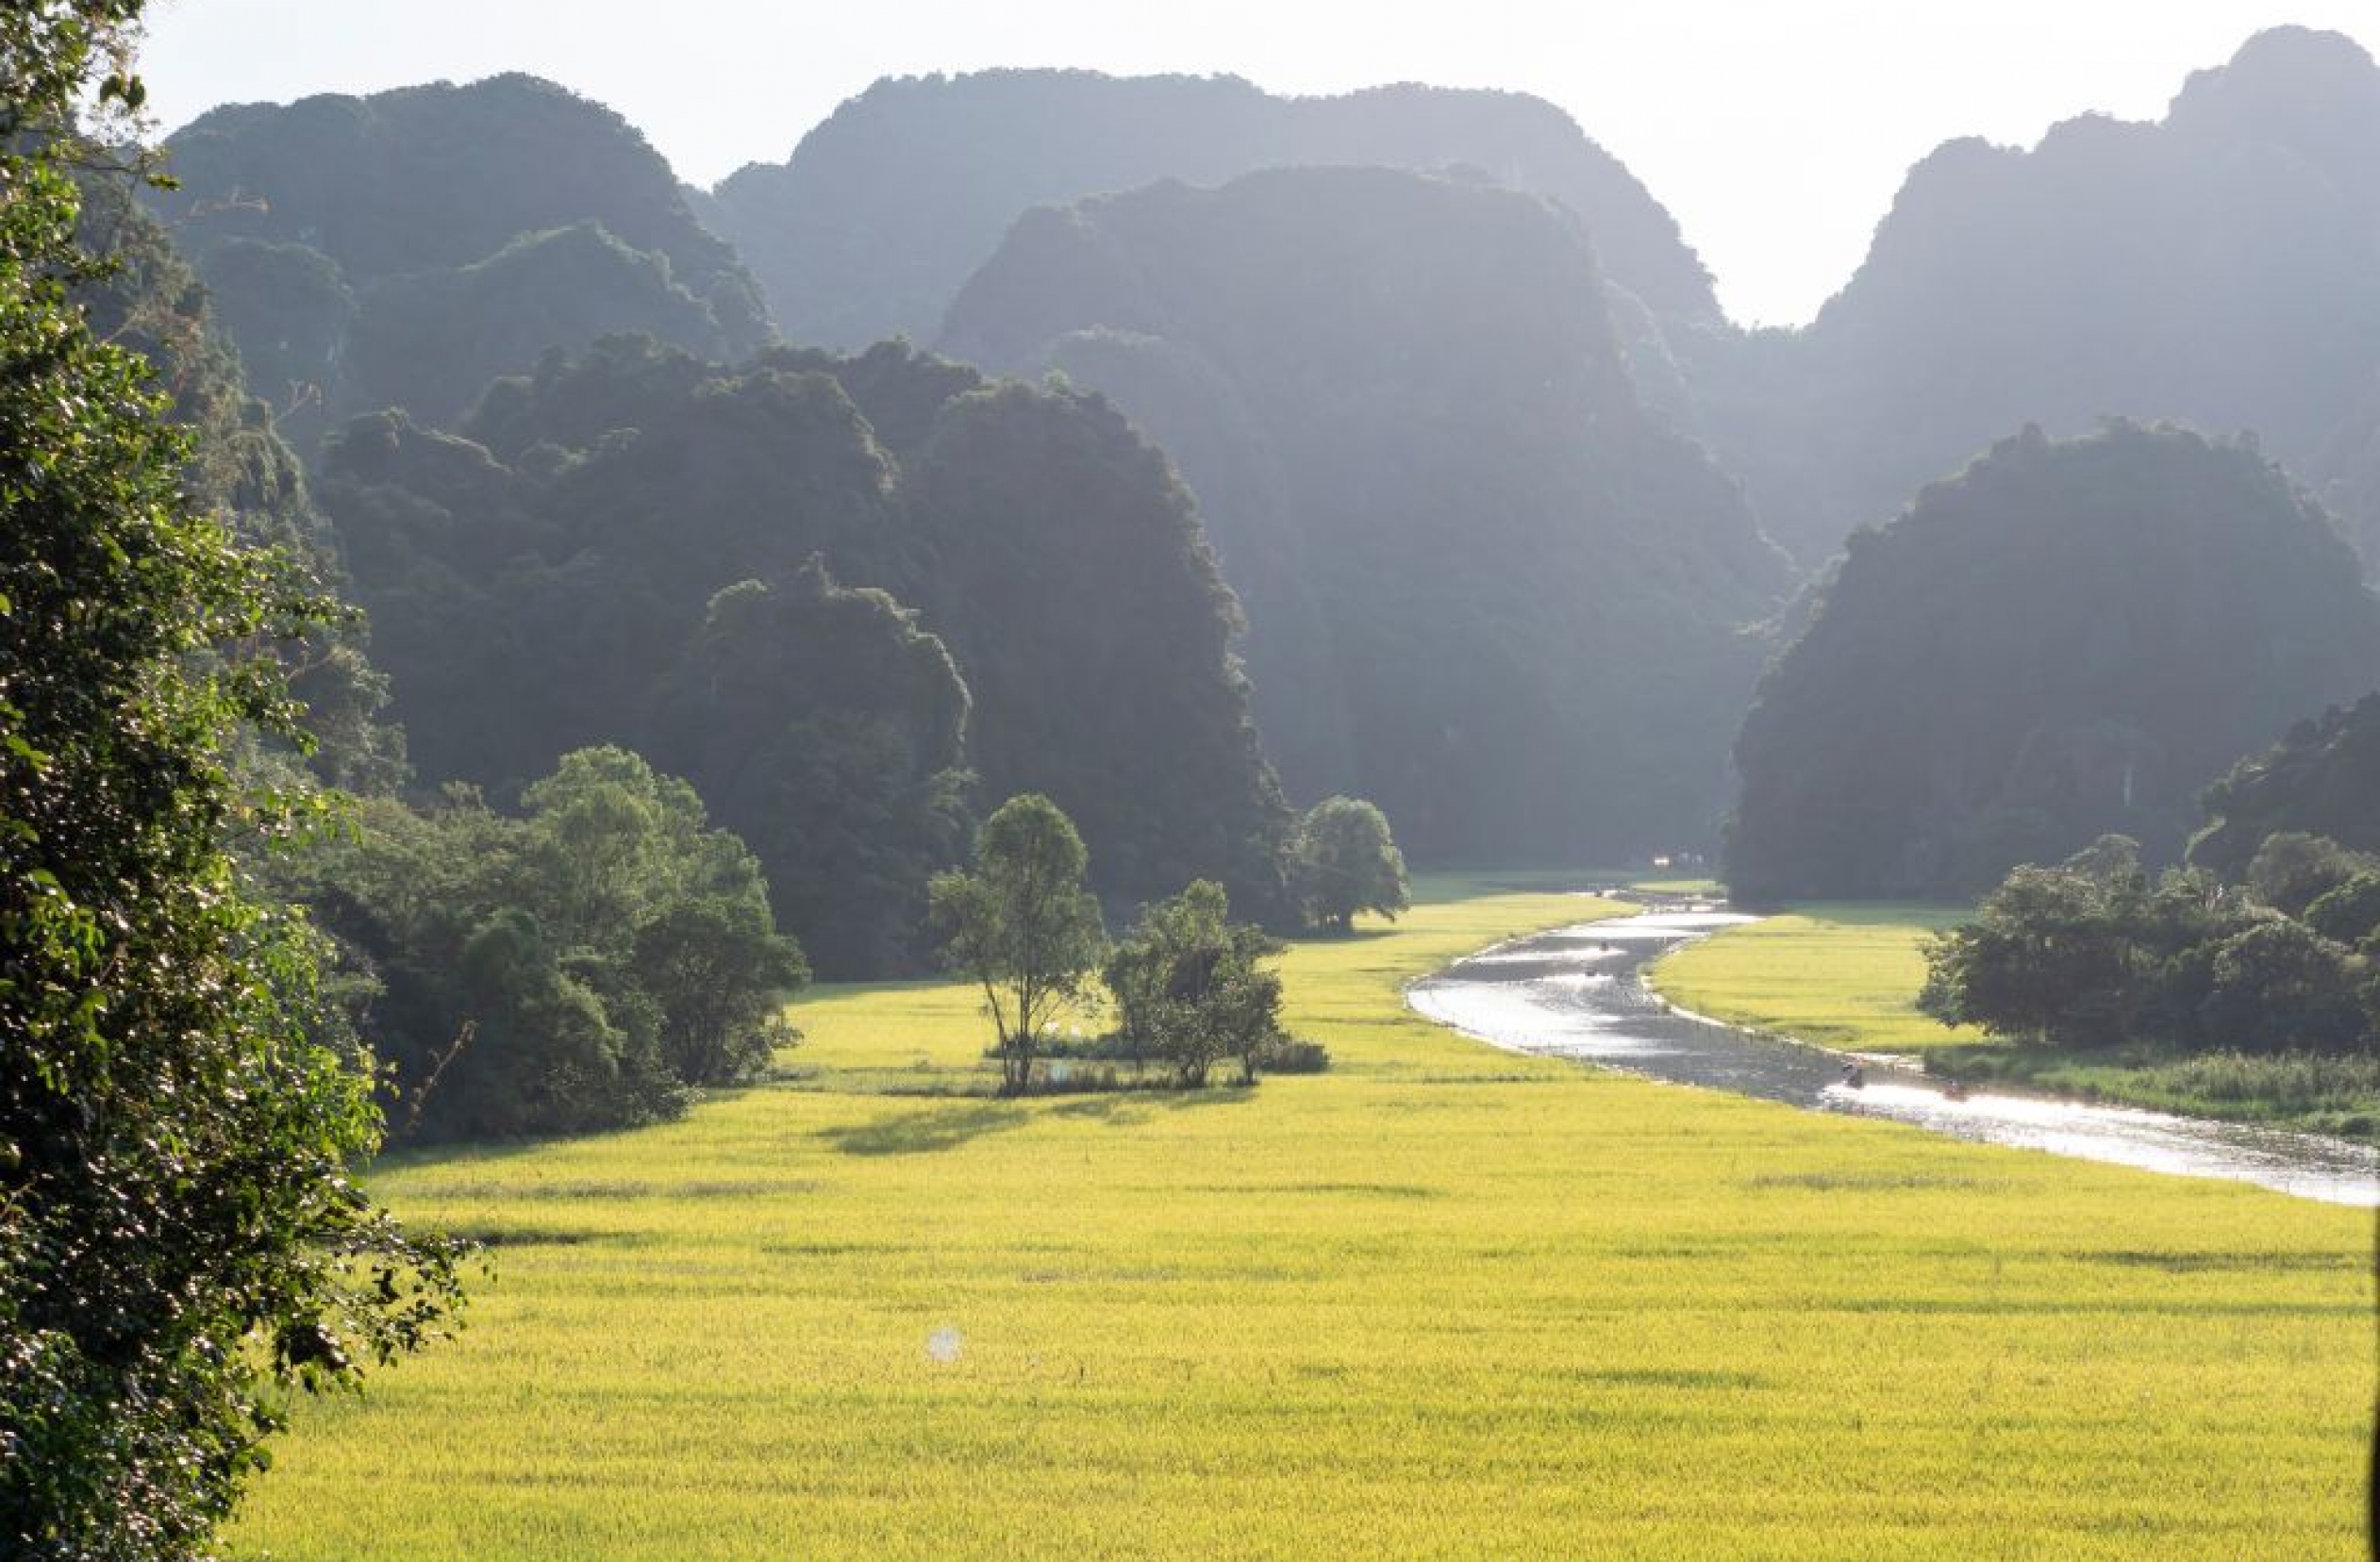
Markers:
point(1579, 993)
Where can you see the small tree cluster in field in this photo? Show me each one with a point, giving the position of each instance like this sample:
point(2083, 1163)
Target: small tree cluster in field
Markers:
point(1343, 861)
point(2094, 951)
point(576, 969)
point(1187, 983)
point(1190, 990)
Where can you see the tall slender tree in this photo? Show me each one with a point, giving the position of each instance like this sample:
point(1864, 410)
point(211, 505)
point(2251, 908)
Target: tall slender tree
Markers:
point(1022, 926)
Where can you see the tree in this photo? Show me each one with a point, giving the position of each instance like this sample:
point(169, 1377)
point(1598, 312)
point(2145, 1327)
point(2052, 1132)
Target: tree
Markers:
point(718, 967)
point(1022, 926)
point(180, 1236)
point(604, 954)
point(2279, 985)
point(2045, 959)
point(1345, 861)
point(1188, 988)
point(2292, 869)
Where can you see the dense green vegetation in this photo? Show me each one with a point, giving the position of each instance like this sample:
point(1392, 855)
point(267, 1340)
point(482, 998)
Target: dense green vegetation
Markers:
point(883, 211)
point(635, 547)
point(1345, 861)
point(2324, 779)
point(2068, 640)
point(2094, 951)
point(1485, 586)
point(402, 248)
point(1441, 1302)
point(2220, 267)
point(181, 1244)
point(1190, 990)
point(578, 966)
point(1021, 926)
point(2259, 998)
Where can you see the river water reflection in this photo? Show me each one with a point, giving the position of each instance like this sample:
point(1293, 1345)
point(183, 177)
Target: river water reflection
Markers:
point(1579, 993)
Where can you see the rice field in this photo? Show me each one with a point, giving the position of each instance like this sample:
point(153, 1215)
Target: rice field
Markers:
point(1441, 1302)
point(1835, 975)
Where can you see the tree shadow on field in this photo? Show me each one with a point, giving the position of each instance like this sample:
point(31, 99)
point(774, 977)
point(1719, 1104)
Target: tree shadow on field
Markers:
point(1123, 1109)
point(924, 1133)
point(1352, 935)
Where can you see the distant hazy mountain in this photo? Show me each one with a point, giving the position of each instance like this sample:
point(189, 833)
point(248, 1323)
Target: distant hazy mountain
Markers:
point(2066, 639)
point(2221, 267)
point(402, 248)
point(887, 207)
point(1485, 586)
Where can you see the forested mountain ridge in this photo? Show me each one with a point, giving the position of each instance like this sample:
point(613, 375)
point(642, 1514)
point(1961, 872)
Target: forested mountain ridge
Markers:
point(637, 547)
point(2218, 268)
point(885, 210)
point(149, 300)
point(2322, 779)
point(1487, 587)
point(2066, 640)
point(401, 248)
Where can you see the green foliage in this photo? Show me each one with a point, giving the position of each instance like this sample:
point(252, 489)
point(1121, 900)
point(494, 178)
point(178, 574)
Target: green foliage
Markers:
point(579, 968)
point(2292, 869)
point(2322, 778)
point(2350, 912)
point(1021, 926)
point(1189, 989)
point(871, 227)
point(635, 547)
point(2066, 640)
point(181, 1241)
point(1485, 584)
point(1343, 861)
point(2045, 959)
point(2090, 954)
point(831, 732)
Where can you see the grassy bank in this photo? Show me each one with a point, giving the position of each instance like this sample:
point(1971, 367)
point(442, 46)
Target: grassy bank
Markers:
point(1843, 976)
point(1441, 1302)
point(1847, 977)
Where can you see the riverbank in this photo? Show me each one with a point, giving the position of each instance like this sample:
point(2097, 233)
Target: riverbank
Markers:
point(1441, 1302)
point(1846, 977)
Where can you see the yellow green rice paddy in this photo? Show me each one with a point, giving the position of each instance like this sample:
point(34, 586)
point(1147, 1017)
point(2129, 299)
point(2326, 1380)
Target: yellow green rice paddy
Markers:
point(1843, 976)
point(1439, 1301)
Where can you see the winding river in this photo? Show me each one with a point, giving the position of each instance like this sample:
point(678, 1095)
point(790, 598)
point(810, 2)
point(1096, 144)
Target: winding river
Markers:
point(1579, 993)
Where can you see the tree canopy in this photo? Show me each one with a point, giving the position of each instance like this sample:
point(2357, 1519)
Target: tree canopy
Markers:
point(1344, 861)
point(1189, 989)
point(1021, 926)
point(181, 1240)
point(636, 547)
point(2322, 778)
point(578, 967)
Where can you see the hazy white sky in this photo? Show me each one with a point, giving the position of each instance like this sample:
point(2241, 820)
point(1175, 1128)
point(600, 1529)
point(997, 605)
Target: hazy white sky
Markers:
point(1775, 130)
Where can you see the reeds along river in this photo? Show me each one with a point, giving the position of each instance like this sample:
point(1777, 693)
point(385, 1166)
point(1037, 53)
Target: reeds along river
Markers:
point(1579, 993)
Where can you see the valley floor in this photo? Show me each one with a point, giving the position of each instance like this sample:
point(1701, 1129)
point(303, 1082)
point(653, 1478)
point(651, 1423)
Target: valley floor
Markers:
point(1442, 1301)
